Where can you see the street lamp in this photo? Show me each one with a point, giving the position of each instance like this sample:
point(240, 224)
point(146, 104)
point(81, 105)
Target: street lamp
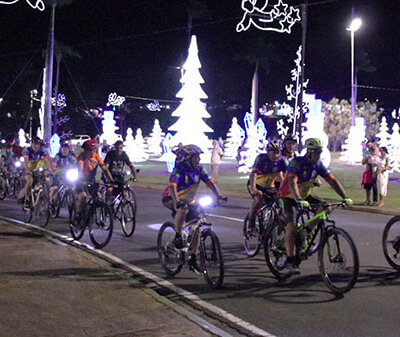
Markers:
point(354, 25)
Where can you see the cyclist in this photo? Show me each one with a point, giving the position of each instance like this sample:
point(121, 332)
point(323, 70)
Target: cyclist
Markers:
point(7, 163)
point(181, 191)
point(88, 161)
point(295, 191)
point(266, 169)
point(63, 160)
point(289, 148)
point(115, 160)
point(35, 160)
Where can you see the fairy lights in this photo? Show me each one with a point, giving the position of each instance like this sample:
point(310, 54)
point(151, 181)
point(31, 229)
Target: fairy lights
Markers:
point(35, 4)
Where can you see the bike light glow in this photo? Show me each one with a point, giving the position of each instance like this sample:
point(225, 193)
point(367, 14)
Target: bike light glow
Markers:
point(205, 201)
point(22, 159)
point(72, 175)
point(40, 169)
point(17, 164)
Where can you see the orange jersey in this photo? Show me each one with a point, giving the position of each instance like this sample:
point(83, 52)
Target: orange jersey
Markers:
point(88, 167)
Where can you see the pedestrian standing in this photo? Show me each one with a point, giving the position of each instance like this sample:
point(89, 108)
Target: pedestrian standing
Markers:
point(366, 182)
point(383, 175)
point(372, 156)
point(216, 156)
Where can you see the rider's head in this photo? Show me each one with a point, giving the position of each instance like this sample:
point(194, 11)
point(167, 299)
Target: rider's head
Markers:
point(273, 150)
point(192, 154)
point(289, 144)
point(36, 143)
point(65, 149)
point(119, 146)
point(90, 145)
point(314, 149)
point(8, 148)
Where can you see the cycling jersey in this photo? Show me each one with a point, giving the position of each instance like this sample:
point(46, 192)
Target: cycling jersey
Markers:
point(88, 166)
point(187, 180)
point(267, 171)
point(9, 158)
point(64, 162)
point(306, 173)
point(35, 159)
point(116, 163)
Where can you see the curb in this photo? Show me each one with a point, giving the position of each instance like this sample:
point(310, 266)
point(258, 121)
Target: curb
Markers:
point(152, 282)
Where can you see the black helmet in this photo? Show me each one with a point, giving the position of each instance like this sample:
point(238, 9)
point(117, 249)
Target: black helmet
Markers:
point(289, 138)
point(274, 145)
point(37, 140)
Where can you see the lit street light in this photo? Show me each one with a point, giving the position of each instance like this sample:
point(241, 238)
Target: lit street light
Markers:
point(354, 25)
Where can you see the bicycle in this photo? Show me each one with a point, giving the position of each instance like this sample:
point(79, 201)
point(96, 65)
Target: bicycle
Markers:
point(124, 206)
point(96, 216)
point(391, 242)
point(65, 195)
point(38, 201)
point(8, 177)
point(211, 261)
point(337, 254)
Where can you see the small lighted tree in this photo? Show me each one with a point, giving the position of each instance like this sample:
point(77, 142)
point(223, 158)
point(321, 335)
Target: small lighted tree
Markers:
point(394, 149)
point(109, 128)
point(155, 139)
point(352, 149)
point(140, 147)
point(383, 134)
point(234, 139)
point(129, 144)
point(21, 138)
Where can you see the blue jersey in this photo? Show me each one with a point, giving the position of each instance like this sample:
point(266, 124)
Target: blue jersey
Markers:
point(35, 159)
point(9, 158)
point(64, 162)
point(267, 170)
point(306, 173)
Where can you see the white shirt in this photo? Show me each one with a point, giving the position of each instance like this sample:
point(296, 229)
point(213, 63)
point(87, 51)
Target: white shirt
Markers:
point(216, 155)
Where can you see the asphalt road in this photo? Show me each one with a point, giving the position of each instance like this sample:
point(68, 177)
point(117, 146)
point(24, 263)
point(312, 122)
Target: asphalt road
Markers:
point(301, 306)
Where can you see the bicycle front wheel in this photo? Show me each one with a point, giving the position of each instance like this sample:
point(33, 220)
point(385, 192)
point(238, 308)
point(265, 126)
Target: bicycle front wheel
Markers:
point(171, 258)
point(101, 224)
point(211, 258)
point(3, 192)
point(251, 238)
point(338, 261)
point(391, 242)
point(76, 227)
point(128, 217)
point(42, 210)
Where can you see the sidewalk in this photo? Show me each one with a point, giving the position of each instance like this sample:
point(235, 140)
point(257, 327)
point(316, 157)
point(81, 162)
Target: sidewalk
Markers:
point(52, 289)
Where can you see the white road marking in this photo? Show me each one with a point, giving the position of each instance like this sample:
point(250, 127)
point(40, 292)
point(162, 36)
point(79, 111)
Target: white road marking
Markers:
point(225, 217)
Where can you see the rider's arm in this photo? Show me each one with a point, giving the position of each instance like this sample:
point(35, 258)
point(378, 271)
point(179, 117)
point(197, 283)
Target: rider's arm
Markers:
point(133, 170)
point(173, 191)
point(335, 184)
point(106, 172)
point(253, 179)
point(294, 188)
point(25, 163)
point(210, 184)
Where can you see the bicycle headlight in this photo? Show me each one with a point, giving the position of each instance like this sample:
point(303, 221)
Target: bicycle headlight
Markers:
point(17, 164)
point(205, 201)
point(72, 175)
point(40, 169)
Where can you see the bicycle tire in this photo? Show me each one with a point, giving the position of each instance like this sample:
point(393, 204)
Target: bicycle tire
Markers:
point(211, 258)
point(55, 209)
point(42, 210)
point(167, 253)
point(345, 268)
point(252, 242)
point(3, 193)
point(101, 224)
point(77, 230)
point(275, 251)
point(391, 243)
point(70, 197)
point(128, 218)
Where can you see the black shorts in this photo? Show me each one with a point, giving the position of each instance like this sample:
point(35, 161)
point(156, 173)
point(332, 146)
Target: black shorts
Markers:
point(290, 206)
point(169, 203)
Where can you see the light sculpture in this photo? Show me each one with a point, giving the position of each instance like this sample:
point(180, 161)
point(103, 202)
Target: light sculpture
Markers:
point(115, 100)
point(109, 135)
point(168, 156)
point(129, 144)
point(155, 139)
point(352, 149)
point(383, 135)
point(54, 145)
point(394, 149)
point(279, 19)
point(35, 4)
point(234, 139)
point(22, 138)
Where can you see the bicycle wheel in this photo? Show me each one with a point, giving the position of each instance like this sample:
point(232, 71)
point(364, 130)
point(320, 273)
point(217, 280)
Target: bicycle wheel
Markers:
point(101, 225)
point(252, 240)
point(128, 219)
point(211, 258)
point(391, 242)
point(338, 261)
point(70, 196)
point(171, 258)
point(3, 192)
point(275, 251)
point(77, 229)
point(27, 214)
point(42, 209)
point(11, 187)
point(55, 209)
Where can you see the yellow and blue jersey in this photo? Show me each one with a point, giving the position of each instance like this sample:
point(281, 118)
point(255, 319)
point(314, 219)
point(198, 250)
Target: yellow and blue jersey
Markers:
point(267, 171)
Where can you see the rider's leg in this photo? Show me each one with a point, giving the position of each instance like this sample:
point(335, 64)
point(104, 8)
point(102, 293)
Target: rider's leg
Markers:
point(179, 220)
point(109, 193)
point(28, 185)
point(80, 202)
point(53, 190)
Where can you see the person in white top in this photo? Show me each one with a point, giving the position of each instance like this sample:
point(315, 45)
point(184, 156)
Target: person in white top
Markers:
point(216, 156)
point(383, 175)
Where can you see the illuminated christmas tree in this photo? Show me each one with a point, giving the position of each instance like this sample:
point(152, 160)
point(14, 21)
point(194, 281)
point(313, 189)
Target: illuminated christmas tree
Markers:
point(394, 149)
point(352, 149)
point(129, 144)
point(109, 135)
point(140, 147)
point(190, 127)
point(234, 139)
point(155, 139)
point(383, 134)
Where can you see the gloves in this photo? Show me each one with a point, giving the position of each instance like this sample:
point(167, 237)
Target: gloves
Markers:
point(348, 201)
point(303, 204)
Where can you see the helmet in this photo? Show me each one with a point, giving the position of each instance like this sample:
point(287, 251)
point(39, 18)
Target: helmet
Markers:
point(37, 140)
point(184, 152)
point(313, 144)
point(289, 138)
point(90, 144)
point(191, 149)
point(274, 145)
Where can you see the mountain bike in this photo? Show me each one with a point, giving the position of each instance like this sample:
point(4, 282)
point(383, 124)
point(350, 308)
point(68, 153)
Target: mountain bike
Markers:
point(123, 205)
point(97, 216)
point(196, 226)
point(38, 210)
point(65, 195)
point(337, 254)
point(391, 242)
point(7, 179)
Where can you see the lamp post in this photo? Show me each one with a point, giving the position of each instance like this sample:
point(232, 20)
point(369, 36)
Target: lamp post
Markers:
point(354, 26)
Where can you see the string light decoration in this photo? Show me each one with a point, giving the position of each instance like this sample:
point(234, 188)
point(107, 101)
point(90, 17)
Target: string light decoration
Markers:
point(383, 135)
point(279, 19)
point(234, 139)
point(109, 135)
point(129, 144)
point(168, 156)
point(140, 150)
point(54, 145)
point(115, 100)
point(35, 4)
point(352, 149)
point(155, 139)
point(22, 138)
point(394, 149)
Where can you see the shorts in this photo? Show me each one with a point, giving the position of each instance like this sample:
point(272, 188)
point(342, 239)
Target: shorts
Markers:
point(169, 203)
point(367, 186)
point(87, 187)
point(290, 207)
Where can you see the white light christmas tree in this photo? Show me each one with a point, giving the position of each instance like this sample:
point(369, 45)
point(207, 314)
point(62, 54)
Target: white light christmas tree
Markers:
point(155, 139)
point(352, 149)
point(394, 149)
point(140, 147)
point(234, 139)
point(383, 134)
point(129, 144)
point(109, 135)
point(22, 138)
point(190, 127)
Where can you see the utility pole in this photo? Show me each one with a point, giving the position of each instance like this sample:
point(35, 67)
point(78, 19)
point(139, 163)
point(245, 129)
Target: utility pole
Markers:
point(49, 78)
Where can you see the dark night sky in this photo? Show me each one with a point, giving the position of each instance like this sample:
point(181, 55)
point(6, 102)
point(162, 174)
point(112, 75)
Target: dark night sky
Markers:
point(133, 46)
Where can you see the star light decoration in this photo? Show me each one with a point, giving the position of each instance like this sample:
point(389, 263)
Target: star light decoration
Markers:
point(280, 19)
point(115, 100)
point(35, 4)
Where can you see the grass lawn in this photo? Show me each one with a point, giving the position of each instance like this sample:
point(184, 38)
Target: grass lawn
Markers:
point(154, 174)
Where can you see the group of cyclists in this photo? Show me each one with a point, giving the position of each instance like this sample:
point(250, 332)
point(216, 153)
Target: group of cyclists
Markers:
point(280, 167)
